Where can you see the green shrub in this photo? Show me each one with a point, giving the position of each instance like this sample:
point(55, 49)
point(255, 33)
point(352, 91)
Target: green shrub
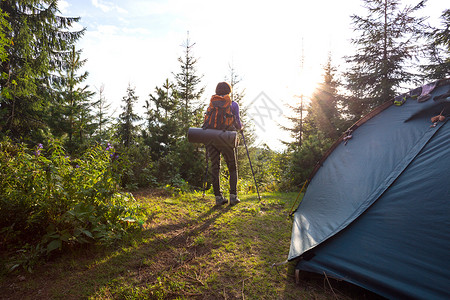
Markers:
point(49, 202)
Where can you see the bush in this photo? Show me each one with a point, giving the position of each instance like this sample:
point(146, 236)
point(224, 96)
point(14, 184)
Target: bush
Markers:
point(48, 201)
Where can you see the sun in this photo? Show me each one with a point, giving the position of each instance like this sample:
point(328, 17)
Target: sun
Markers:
point(308, 83)
point(303, 86)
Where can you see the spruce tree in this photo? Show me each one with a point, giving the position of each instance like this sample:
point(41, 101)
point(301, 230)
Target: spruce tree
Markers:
point(234, 79)
point(438, 50)
point(101, 116)
point(190, 164)
point(324, 113)
point(5, 28)
point(162, 120)
point(297, 119)
point(71, 113)
point(237, 95)
point(127, 129)
point(40, 39)
point(386, 45)
point(321, 125)
point(187, 85)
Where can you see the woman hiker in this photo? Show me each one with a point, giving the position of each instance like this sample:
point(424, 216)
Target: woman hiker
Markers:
point(223, 114)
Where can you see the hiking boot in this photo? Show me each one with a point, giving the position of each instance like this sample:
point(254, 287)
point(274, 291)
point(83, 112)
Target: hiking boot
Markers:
point(234, 199)
point(220, 200)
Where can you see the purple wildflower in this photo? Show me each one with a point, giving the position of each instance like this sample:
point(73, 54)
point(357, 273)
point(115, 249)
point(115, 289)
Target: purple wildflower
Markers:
point(114, 156)
point(38, 149)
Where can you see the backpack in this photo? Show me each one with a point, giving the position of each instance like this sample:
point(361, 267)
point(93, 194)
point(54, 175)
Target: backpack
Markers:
point(219, 115)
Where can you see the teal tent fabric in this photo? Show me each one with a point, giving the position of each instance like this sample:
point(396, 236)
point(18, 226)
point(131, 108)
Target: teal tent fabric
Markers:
point(377, 212)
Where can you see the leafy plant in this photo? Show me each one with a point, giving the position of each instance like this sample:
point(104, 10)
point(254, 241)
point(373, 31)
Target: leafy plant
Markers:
point(49, 202)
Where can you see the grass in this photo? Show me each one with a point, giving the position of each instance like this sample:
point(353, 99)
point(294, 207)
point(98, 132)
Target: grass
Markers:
point(189, 249)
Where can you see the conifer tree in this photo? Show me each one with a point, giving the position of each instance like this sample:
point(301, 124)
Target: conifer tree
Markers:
point(297, 127)
point(5, 28)
point(237, 95)
point(297, 118)
point(234, 79)
point(162, 120)
point(71, 114)
point(385, 48)
point(438, 50)
point(40, 39)
point(187, 85)
point(189, 166)
point(127, 129)
point(321, 126)
point(101, 116)
point(170, 98)
point(324, 112)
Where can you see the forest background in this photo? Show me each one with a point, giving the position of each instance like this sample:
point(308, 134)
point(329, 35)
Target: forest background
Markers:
point(67, 162)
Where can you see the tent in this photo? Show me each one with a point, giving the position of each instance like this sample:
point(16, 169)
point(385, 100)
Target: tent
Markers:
point(376, 212)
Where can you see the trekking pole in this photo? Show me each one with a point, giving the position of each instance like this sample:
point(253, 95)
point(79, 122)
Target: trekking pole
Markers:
point(248, 155)
point(205, 185)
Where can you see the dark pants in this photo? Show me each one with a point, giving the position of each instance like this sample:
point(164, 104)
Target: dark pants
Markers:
point(230, 158)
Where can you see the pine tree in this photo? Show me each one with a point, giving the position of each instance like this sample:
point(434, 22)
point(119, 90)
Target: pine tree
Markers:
point(101, 116)
point(234, 79)
point(324, 110)
point(438, 50)
point(170, 98)
point(5, 29)
point(187, 82)
point(321, 126)
point(237, 95)
point(297, 120)
point(71, 114)
point(40, 40)
point(127, 129)
point(190, 164)
point(162, 120)
point(385, 48)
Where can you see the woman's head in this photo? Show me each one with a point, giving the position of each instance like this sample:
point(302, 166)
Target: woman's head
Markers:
point(223, 88)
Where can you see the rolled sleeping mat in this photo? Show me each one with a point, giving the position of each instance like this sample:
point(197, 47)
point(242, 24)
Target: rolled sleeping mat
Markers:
point(212, 136)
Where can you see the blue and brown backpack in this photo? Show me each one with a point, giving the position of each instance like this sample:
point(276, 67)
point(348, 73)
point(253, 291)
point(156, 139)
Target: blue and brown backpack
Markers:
point(219, 114)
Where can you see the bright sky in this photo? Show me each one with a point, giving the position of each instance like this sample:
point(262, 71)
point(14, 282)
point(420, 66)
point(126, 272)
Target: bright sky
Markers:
point(138, 42)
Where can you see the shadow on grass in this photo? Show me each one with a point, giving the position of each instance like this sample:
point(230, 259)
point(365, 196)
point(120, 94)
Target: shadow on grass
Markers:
point(83, 273)
point(219, 253)
point(165, 249)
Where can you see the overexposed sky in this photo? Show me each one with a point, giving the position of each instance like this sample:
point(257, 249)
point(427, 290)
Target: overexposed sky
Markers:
point(138, 42)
